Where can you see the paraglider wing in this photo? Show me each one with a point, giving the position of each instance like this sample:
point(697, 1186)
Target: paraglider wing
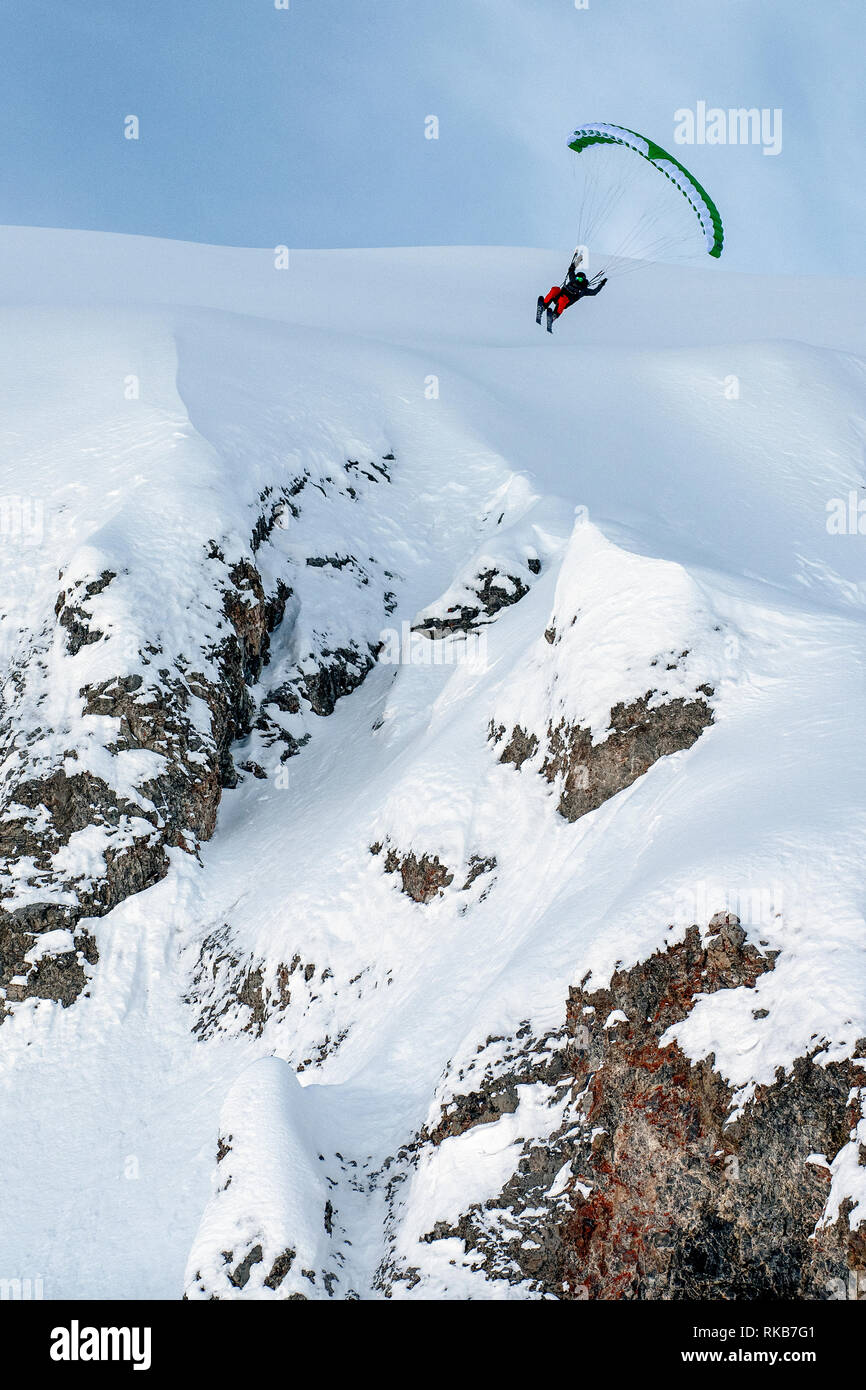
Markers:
point(700, 201)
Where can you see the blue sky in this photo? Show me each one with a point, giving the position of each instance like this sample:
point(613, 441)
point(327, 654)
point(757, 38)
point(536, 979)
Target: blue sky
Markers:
point(261, 126)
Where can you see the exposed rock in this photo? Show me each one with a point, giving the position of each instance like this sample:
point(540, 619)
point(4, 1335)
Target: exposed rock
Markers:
point(72, 616)
point(651, 1186)
point(478, 866)
point(379, 474)
point(157, 716)
point(532, 1060)
point(590, 773)
point(331, 663)
point(520, 747)
point(43, 809)
point(280, 1268)
point(339, 673)
point(494, 592)
point(61, 977)
point(685, 1204)
point(70, 802)
point(240, 1276)
point(337, 562)
point(423, 879)
point(229, 992)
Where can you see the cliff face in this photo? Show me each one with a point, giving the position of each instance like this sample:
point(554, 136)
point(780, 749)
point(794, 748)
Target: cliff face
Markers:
point(651, 1183)
point(102, 774)
point(173, 721)
point(416, 881)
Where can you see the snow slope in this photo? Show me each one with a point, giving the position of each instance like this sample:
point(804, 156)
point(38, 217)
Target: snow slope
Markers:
point(657, 476)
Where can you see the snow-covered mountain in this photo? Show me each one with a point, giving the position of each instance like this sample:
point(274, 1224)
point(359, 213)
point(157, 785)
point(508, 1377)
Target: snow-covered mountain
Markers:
point(432, 777)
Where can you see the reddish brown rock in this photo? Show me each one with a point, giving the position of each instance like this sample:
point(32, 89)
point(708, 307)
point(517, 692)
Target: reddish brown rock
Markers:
point(665, 1196)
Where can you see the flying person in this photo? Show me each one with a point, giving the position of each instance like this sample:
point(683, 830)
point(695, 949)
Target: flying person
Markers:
point(575, 286)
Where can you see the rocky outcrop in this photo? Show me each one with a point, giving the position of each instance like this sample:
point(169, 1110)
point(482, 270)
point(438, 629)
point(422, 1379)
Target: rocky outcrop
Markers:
point(492, 590)
point(232, 992)
point(589, 773)
point(339, 673)
point(424, 877)
point(61, 972)
point(334, 659)
point(479, 864)
point(653, 1185)
point(72, 615)
point(81, 832)
point(336, 673)
point(184, 715)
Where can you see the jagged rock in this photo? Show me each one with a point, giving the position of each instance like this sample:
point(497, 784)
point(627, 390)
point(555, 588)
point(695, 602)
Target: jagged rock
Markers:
point(426, 878)
point(71, 801)
point(478, 865)
point(279, 1269)
point(520, 747)
point(337, 562)
point(683, 1203)
point(177, 806)
point(60, 806)
point(331, 665)
point(648, 1188)
point(157, 717)
point(229, 991)
point(61, 977)
point(422, 879)
point(590, 773)
point(339, 673)
point(534, 1062)
point(240, 1277)
point(75, 618)
point(379, 474)
point(493, 591)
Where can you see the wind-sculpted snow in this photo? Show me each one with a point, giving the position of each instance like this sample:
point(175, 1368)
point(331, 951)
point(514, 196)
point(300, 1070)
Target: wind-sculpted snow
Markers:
point(270, 1229)
point(616, 683)
point(399, 710)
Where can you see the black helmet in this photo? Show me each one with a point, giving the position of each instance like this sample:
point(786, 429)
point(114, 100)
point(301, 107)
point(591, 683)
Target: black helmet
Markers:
point(580, 278)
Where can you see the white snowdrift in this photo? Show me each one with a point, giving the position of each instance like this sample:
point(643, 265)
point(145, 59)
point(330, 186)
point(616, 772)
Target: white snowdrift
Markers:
point(269, 1207)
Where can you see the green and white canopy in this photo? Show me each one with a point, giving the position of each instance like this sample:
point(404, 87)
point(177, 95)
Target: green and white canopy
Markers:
point(601, 133)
